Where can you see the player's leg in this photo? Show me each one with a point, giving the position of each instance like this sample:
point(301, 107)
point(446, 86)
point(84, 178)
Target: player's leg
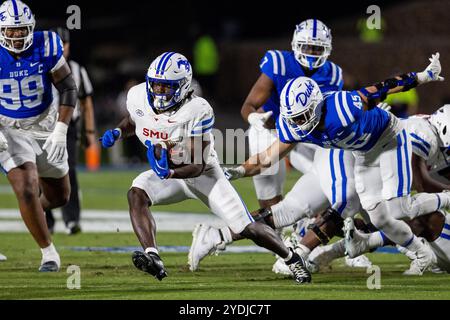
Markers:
point(269, 184)
point(147, 190)
point(218, 194)
point(25, 183)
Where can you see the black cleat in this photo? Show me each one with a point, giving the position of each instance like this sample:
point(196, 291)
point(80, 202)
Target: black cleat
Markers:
point(150, 263)
point(299, 271)
point(49, 266)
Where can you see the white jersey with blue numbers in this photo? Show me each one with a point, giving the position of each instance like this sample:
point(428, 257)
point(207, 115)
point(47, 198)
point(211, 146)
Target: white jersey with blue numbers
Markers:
point(424, 139)
point(26, 83)
point(347, 125)
point(281, 66)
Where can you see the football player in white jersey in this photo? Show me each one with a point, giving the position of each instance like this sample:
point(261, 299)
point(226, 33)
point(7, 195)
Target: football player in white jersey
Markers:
point(34, 156)
point(176, 127)
point(430, 138)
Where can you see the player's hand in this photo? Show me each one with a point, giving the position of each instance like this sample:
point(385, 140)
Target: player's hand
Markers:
point(432, 72)
point(258, 119)
point(161, 166)
point(110, 137)
point(3, 143)
point(233, 173)
point(55, 145)
point(384, 106)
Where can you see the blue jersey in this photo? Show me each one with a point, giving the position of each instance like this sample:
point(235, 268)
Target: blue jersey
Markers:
point(281, 66)
point(347, 125)
point(25, 83)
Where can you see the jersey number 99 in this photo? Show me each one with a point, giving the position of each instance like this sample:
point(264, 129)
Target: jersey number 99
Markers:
point(27, 92)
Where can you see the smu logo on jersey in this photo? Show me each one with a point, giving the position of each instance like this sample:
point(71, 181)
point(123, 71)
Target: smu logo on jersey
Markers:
point(155, 134)
point(302, 97)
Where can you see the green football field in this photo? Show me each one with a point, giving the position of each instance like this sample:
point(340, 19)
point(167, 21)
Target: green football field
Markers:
point(238, 276)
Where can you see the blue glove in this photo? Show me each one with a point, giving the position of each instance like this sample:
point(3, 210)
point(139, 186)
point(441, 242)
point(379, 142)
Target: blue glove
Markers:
point(109, 138)
point(161, 166)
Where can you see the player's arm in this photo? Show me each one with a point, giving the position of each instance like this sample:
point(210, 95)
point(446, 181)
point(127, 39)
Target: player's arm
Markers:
point(198, 161)
point(258, 96)
point(422, 181)
point(372, 95)
point(63, 81)
point(126, 128)
point(87, 111)
point(261, 161)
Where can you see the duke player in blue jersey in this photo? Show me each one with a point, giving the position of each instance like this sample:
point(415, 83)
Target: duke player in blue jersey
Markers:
point(311, 46)
point(382, 149)
point(35, 159)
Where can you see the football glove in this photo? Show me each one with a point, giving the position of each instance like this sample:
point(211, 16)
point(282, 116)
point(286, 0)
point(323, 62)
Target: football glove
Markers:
point(55, 145)
point(258, 119)
point(161, 166)
point(432, 72)
point(110, 137)
point(233, 173)
point(150, 263)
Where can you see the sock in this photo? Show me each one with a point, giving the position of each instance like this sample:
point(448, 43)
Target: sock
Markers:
point(376, 240)
point(50, 254)
point(226, 234)
point(414, 244)
point(152, 249)
point(304, 250)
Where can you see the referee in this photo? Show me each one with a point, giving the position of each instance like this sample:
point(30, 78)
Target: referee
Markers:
point(84, 110)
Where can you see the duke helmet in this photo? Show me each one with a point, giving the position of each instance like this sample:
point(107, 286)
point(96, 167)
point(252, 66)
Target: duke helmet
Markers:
point(173, 72)
point(311, 43)
point(301, 104)
point(14, 14)
point(441, 121)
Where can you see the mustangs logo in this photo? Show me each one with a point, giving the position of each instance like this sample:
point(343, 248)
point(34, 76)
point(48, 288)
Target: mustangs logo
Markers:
point(184, 63)
point(2, 16)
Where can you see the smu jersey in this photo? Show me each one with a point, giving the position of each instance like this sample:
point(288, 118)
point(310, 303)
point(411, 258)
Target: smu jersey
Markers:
point(281, 66)
point(25, 83)
point(424, 139)
point(194, 118)
point(347, 125)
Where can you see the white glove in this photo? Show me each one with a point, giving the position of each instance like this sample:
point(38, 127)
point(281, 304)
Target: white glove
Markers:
point(55, 145)
point(233, 173)
point(432, 72)
point(3, 143)
point(258, 119)
point(384, 106)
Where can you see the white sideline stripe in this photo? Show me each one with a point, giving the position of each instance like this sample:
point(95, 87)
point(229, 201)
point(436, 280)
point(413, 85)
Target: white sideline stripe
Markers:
point(113, 221)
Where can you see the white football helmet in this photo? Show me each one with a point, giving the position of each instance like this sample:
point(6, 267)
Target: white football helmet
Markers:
point(311, 43)
point(16, 16)
point(169, 80)
point(441, 121)
point(301, 104)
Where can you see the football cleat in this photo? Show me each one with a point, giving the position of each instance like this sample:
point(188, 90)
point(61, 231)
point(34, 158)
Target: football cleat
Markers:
point(359, 262)
point(356, 243)
point(425, 258)
point(150, 263)
point(205, 241)
point(49, 266)
point(2, 257)
point(279, 267)
point(299, 271)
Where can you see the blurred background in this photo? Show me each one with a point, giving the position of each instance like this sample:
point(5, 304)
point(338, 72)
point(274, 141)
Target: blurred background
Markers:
point(225, 42)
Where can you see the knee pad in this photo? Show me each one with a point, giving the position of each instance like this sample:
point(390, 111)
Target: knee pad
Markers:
point(331, 221)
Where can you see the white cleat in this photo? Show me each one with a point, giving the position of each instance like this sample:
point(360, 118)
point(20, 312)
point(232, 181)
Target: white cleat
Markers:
point(320, 258)
point(205, 241)
point(279, 267)
point(358, 262)
point(356, 243)
point(424, 259)
point(2, 257)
